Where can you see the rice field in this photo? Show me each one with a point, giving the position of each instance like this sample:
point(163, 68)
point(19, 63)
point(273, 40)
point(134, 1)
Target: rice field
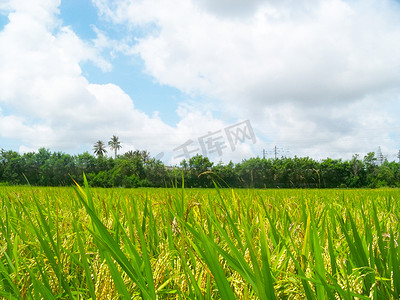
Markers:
point(90, 243)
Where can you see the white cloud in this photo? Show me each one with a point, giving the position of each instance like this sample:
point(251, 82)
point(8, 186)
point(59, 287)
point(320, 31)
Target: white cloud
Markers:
point(315, 70)
point(358, 127)
point(312, 76)
point(23, 149)
point(230, 8)
point(47, 102)
point(50, 103)
point(40, 11)
point(340, 52)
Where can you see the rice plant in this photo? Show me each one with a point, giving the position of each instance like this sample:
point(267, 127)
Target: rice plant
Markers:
point(90, 243)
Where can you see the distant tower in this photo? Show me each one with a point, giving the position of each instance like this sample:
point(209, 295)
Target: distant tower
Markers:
point(379, 157)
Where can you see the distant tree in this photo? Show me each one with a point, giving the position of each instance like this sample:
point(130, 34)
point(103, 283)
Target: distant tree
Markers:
point(144, 155)
point(250, 172)
point(99, 148)
point(139, 169)
point(370, 160)
point(31, 167)
point(372, 168)
point(386, 174)
point(57, 169)
point(225, 174)
point(200, 163)
point(357, 170)
point(196, 171)
point(85, 163)
point(184, 164)
point(156, 173)
point(11, 167)
point(136, 162)
point(115, 144)
point(130, 154)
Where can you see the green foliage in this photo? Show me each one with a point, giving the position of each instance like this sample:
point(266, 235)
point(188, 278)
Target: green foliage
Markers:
point(139, 169)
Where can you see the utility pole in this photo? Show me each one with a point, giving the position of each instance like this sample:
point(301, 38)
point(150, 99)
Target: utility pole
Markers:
point(276, 151)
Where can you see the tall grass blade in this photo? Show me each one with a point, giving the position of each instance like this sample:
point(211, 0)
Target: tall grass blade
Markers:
point(107, 241)
point(268, 280)
point(395, 267)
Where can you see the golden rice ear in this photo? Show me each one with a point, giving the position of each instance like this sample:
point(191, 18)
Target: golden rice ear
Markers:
point(78, 186)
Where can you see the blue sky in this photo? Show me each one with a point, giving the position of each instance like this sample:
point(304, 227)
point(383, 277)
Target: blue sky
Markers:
point(317, 78)
point(127, 72)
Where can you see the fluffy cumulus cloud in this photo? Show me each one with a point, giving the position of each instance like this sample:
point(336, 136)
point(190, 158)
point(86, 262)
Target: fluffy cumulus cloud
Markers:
point(317, 77)
point(47, 102)
point(40, 76)
point(329, 51)
point(310, 74)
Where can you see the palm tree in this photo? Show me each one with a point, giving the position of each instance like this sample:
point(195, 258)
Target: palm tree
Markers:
point(115, 144)
point(99, 148)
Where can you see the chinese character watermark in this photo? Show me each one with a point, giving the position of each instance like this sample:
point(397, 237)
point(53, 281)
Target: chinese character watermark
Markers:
point(211, 143)
point(240, 132)
point(215, 142)
point(185, 149)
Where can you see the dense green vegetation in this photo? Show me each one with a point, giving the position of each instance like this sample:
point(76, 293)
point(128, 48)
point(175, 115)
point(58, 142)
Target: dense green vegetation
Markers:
point(138, 169)
point(57, 243)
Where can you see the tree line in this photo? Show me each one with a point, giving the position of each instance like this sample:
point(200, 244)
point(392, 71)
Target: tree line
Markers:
point(139, 169)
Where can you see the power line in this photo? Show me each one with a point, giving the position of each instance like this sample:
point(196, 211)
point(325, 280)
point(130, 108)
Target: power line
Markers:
point(276, 151)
